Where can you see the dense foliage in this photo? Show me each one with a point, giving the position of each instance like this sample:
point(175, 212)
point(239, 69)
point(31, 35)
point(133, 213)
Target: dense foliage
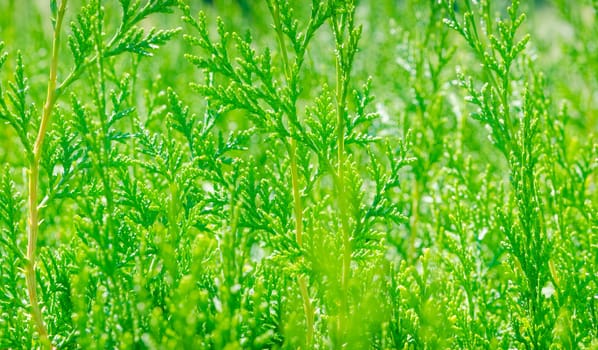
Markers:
point(333, 174)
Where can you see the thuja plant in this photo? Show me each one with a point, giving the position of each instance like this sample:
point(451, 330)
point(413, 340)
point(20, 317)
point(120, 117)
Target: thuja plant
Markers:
point(513, 104)
point(325, 174)
point(58, 150)
point(322, 236)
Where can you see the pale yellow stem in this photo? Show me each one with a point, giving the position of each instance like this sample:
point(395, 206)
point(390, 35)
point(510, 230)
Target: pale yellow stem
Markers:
point(33, 217)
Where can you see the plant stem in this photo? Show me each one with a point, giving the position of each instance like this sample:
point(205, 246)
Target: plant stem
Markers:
point(30, 276)
point(342, 82)
point(103, 167)
point(297, 206)
point(415, 200)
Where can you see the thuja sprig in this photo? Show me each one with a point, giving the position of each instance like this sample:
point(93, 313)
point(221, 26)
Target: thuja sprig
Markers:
point(84, 42)
point(497, 52)
point(127, 38)
point(513, 109)
point(286, 26)
point(17, 113)
point(424, 57)
point(14, 334)
point(346, 37)
point(34, 165)
point(253, 81)
point(272, 102)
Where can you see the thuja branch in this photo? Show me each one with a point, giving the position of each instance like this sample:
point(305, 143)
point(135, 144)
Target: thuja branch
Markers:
point(297, 205)
point(346, 37)
point(33, 183)
point(293, 146)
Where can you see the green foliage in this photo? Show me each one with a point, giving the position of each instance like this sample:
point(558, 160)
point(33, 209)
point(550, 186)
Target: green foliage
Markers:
point(298, 175)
